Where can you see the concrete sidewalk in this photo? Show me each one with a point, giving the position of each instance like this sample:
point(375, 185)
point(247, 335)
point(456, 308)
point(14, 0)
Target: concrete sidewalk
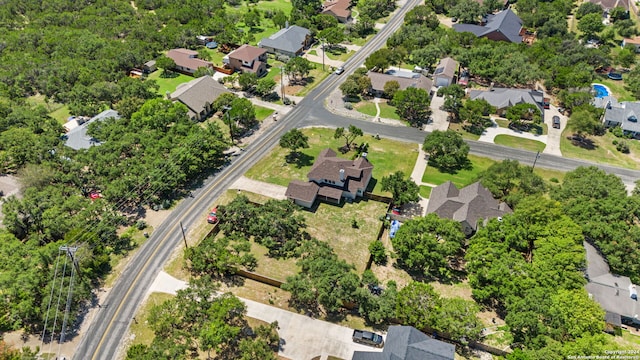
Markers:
point(302, 337)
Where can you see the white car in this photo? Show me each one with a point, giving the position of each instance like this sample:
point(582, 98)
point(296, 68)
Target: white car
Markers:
point(339, 70)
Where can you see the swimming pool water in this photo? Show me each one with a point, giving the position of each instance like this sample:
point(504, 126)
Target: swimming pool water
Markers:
point(600, 90)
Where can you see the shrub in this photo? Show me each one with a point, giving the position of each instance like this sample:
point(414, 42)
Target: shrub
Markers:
point(623, 147)
point(378, 252)
point(554, 180)
point(348, 105)
point(617, 131)
point(141, 225)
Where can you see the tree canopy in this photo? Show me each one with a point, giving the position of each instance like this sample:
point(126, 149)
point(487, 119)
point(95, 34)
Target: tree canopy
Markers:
point(447, 150)
point(403, 190)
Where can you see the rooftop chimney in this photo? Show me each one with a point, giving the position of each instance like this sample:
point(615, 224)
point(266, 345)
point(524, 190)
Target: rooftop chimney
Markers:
point(342, 175)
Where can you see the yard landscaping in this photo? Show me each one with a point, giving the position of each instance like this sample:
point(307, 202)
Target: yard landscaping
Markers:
point(168, 84)
point(266, 27)
point(617, 88)
point(519, 143)
point(600, 149)
point(459, 128)
point(140, 332)
point(369, 108)
point(386, 155)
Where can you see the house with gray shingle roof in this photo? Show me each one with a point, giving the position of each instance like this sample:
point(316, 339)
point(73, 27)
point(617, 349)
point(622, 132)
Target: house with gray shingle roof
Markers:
point(625, 115)
point(198, 96)
point(77, 137)
point(290, 41)
point(616, 294)
point(470, 205)
point(502, 26)
point(330, 179)
point(407, 343)
point(415, 80)
point(504, 98)
point(445, 72)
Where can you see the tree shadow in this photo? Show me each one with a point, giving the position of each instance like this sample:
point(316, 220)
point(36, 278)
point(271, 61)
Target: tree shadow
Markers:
point(584, 143)
point(299, 159)
point(463, 165)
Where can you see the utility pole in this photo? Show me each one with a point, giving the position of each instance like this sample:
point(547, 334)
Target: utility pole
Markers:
point(228, 115)
point(535, 160)
point(322, 44)
point(282, 82)
point(70, 250)
point(184, 237)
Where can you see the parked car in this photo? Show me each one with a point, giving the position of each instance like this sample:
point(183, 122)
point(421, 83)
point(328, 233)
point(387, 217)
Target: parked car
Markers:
point(556, 122)
point(368, 338)
point(339, 70)
point(212, 218)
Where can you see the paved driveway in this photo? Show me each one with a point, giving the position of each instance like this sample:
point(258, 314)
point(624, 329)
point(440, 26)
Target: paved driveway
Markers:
point(554, 135)
point(438, 116)
point(302, 337)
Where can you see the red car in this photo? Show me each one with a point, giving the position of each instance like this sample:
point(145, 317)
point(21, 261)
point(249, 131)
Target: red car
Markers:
point(212, 218)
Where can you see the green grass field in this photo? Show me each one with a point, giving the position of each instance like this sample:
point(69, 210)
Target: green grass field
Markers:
point(61, 114)
point(369, 108)
point(457, 127)
point(168, 84)
point(140, 330)
point(386, 155)
point(616, 87)
point(425, 191)
point(316, 76)
point(519, 143)
point(603, 150)
point(262, 112)
point(461, 178)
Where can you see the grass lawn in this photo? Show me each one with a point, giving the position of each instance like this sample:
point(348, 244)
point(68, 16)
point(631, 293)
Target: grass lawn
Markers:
point(519, 143)
point(616, 87)
point(425, 191)
point(140, 330)
point(387, 111)
point(386, 155)
point(366, 107)
point(465, 134)
point(339, 55)
point(278, 269)
point(262, 112)
point(627, 340)
point(333, 224)
point(602, 151)
point(61, 114)
point(316, 76)
point(463, 177)
point(503, 123)
point(168, 84)
point(215, 56)
point(312, 52)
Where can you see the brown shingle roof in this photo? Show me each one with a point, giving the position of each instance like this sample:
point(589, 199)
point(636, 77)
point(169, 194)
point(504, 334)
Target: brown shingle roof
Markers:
point(187, 58)
point(446, 68)
point(302, 190)
point(610, 4)
point(247, 53)
point(337, 7)
point(419, 81)
point(634, 40)
point(197, 93)
point(330, 192)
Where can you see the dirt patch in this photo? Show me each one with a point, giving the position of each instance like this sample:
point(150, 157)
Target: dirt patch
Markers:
point(293, 89)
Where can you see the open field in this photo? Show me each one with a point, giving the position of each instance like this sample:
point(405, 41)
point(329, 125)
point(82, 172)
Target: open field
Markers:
point(519, 143)
point(461, 178)
point(386, 155)
point(333, 224)
point(600, 149)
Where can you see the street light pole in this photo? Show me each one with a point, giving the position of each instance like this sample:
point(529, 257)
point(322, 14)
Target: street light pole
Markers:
point(535, 160)
point(228, 114)
point(282, 82)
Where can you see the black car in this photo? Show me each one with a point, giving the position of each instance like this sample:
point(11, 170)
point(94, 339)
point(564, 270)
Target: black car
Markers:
point(556, 122)
point(368, 338)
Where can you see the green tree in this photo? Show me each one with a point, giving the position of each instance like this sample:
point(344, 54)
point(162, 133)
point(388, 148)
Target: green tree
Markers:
point(243, 113)
point(390, 88)
point(574, 314)
point(378, 252)
point(412, 105)
point(524, 113)
point(332, 35)
point(447, 150)
point(402, 190)
point(428, 244)
point(264, 87)
point(511, 182)
point(220, 257)
point(166, 64)
point(591, 24)
point(349, 135)
point(626, 57)
point(458, 318)
point(247, 81)
point(588, 8)
point(453, 95)
point(417, 305)
point(467, 11)
point(279, 19)
point(298, 69)
point(585, 121)
point(379, 60)
point(293, 140)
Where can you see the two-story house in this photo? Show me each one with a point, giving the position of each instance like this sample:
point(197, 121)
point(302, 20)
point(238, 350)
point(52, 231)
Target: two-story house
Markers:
point(331, 179)
point(248, 58)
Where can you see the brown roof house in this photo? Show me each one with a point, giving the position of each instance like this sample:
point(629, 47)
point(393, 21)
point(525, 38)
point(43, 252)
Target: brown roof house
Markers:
point(445, 73)
point(198, 96)
point(338, 9)
point(187, 61)
point(330, 179)
point(405, 79)
point(248, 58)
point(608, 5)
point(635, 41)
point(469, 205)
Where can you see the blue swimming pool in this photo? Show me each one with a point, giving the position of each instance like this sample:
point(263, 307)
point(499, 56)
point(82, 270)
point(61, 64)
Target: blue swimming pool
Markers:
point(601, 90)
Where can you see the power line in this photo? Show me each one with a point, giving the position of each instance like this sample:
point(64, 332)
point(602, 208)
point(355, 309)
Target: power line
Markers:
point(46, 319)
point(55, 319)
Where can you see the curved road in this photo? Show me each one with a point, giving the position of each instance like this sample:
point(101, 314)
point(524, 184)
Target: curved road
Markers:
point(106, 334)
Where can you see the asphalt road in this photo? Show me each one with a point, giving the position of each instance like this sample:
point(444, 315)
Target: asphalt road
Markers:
point(105, 335)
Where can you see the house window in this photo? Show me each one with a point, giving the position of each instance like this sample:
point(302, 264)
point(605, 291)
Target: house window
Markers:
point(247, 63)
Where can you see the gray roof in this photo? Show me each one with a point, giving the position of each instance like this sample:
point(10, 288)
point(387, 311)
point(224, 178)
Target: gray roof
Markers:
point(77, 137)
point(446, 68)
point(417, 81)
point(605, 101)
point(505, 22)
point(407, 343)
point(289, 39)
point(470, 204)
point(624, 114)
point(503, 98)
point(612, 292)
point(196, 93)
